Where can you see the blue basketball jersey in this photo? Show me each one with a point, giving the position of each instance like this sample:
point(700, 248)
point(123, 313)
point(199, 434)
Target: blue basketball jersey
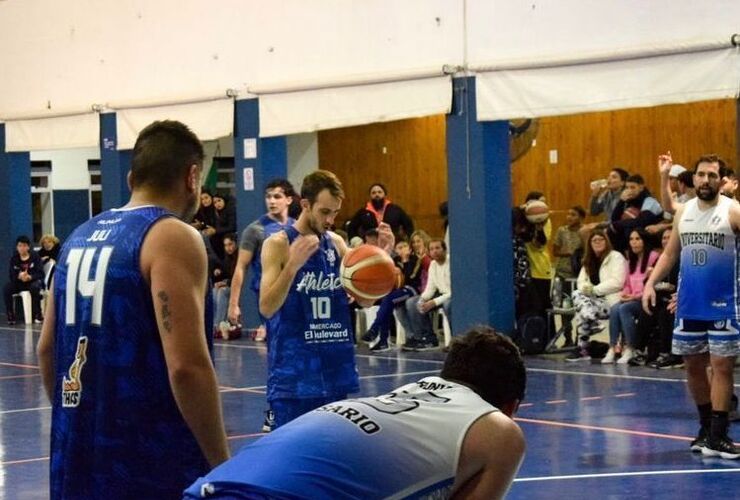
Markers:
point(405, 444)
point(269, 227)
point(708, 286)
point(311, 352)
point(116, 430)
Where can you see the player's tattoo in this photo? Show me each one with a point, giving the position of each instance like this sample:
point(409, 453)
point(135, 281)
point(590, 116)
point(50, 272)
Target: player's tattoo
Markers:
point(164, 298)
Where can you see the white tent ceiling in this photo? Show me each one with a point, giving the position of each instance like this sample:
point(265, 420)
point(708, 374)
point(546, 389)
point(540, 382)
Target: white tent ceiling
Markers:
point(532, 58)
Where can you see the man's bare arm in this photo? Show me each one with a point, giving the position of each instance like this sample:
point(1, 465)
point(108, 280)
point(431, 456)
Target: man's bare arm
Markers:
point(45, 348)
point(665, 263)
point(237, 281)
point(173, 260)
point(492, 452)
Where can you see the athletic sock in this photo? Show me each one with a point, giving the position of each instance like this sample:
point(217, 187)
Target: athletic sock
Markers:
point(705, 415)
point(720, 420)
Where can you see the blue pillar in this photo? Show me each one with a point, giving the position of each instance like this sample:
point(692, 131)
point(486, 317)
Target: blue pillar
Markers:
point(269, 160)
point(15, 200)
point(114, 165)
point(479, 177)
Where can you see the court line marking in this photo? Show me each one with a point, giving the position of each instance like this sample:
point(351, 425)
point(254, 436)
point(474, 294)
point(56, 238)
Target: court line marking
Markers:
point(623, 474)
point(21, 410)
point(27, 375)
point(18, 365)
point(604, 429)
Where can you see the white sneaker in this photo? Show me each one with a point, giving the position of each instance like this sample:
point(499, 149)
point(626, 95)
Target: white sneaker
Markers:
point(627, 354)
point(609, 358)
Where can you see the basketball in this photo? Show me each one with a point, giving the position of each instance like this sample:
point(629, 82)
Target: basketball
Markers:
point(536, 211)
point(367, 272)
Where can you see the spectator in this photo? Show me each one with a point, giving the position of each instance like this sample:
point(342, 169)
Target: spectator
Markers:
point(409, 266)
point(437, 293)
point(636, 209)
point(599, 284)
point(728, 186)
point(49, 250)
point(623, 315)
point(536, 297)
point(204, 219)
point(371, 237)
point(686, 187)
point(420, 246)
point(522, 276)
point(26, 273)
point(444, 212)
point(222, 290)
point(225, 222)
point(568, 243)
point(673, 174)
point(380, 209)
point(606, 195)
point(660, 322)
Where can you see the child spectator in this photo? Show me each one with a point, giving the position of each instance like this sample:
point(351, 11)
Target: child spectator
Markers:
point(568, 243)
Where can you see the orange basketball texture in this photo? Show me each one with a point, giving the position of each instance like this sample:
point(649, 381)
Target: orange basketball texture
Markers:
point(367, 272)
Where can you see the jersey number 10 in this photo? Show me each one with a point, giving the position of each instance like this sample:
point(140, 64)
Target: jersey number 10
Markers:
point(79, 262)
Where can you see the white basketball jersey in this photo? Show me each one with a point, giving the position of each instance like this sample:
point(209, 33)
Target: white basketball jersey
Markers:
point(708, 278)
point(405, 444)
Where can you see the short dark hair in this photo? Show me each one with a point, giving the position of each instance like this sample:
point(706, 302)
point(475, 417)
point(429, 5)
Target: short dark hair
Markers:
point(686, 178)
point(489, 363)
point(711, 158)
point(623, 174)
point(533, 195)
point(726, 172)
point(283, 184)
point(23, 239)
point(372, 232)
point(319, 180)
point(579, 210)
point(231, 236)
point(381, 186)
point(636, 178)
point(164, 151)
point(439, 240)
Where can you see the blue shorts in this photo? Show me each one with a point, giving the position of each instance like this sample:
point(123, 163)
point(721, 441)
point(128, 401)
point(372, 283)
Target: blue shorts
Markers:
point(720, 337)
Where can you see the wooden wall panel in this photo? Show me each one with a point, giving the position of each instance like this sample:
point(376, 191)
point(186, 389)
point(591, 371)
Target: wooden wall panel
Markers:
point(589, 145)
point(414, 165)
point(408, 156)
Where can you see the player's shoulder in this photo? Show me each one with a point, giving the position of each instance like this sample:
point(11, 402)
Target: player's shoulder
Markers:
point(170, 234)
point(495, 432)
point(276, 242)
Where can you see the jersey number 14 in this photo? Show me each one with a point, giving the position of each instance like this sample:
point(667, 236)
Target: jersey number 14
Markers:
point(79, 262)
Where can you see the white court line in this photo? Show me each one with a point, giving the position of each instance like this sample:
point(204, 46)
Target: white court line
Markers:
point(4, 412)
point(623, 474)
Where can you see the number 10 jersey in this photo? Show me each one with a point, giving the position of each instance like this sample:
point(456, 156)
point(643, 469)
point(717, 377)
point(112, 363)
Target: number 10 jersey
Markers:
point(116, 430)
point(708, 278)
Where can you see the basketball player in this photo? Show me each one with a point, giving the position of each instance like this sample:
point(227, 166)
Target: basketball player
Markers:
point(123, 352)
point(447, 436)
point(310, 348)
point(707, 330)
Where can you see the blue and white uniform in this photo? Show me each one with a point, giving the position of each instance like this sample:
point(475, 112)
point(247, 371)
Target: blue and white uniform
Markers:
point(116, 429)
point(311, 352)
point(405, 444)
point(708, 286)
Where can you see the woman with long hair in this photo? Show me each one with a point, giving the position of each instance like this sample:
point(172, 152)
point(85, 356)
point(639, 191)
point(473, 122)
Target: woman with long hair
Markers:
point(598, 287)
point(623, 315)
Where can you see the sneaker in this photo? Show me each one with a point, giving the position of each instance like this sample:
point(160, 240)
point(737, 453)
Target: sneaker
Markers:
point(38, 320)
point(427, 345)
point(578, 355)
point(269, 422)
point(665, 361)
point(11, 319)
point(609, 357)
point(723, 447)
point(376, 341)
point(700, 441)
point(380, 346)
point(410, 344)
point(627, 354)
point(639, 359)
point(370, 335)
point(261, 334)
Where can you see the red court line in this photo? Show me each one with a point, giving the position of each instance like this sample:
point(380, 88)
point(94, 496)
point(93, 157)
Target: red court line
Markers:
point(6, 377)
point(556, 402)
point(604, 429)
point(19, 365)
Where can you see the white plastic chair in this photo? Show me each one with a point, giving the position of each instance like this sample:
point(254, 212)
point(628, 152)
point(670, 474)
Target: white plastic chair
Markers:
point(25, 297)
point(364, 317)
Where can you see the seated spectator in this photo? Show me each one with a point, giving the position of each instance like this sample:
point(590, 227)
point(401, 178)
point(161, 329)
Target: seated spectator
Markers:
point(598, 288)
point(204, 219)
point(656, 329)
point(636, 209)
point(728, 186)
point(50, 247)
point(420, 247)
point(410, 268)
point(380, 209)
point(685, 186)
point(26, 273)
point(371, 237)
point(623, 315)
point(222, 275)
point(437, 293)
point(225, 222)
point(567, 242)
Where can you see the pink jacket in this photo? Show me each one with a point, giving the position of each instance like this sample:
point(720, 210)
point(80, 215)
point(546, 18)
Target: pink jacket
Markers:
point(635, 281)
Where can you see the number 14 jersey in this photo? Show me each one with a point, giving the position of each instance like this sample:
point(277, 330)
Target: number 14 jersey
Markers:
point(116, 429)
point(708, 279)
